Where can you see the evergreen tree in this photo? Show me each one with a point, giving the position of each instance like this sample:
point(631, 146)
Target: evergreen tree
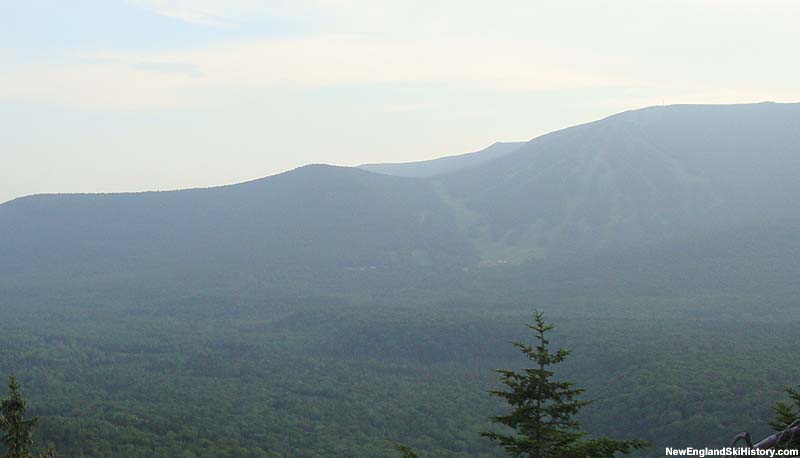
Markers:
point(406, 451)
point(787, 413)
point(543, 409)
point(17, 438)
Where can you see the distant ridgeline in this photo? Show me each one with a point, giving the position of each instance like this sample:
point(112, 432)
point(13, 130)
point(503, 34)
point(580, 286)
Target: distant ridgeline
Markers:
point(336, 311)
point(638, 178)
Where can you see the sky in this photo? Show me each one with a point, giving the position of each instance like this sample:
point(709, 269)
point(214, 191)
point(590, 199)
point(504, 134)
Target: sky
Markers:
point(135, 95)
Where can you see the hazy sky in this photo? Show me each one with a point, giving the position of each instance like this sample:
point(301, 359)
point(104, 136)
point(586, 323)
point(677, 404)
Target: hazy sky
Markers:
point(115, 95)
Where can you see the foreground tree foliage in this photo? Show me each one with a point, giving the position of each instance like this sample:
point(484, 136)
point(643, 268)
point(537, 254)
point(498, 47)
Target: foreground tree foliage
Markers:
point(543, 409)
point(786, 422)
point(406, 451)
point(17, 431)
point(787, 413)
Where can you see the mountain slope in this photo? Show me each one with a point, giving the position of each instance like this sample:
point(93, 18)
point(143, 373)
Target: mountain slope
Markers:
point(313, 218)
point(672, 253)
point(638, 177)
point(443, 165)
point(633, 179)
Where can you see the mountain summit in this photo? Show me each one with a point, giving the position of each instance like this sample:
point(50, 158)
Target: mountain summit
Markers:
point(638, 177)
point(641, 177)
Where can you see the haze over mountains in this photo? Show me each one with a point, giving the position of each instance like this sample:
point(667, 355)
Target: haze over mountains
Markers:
point(335, 311)
point(637, 178)
point(443, 165)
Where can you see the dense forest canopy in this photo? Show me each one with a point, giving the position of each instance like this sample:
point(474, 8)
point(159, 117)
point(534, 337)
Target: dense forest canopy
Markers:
point(336, 312)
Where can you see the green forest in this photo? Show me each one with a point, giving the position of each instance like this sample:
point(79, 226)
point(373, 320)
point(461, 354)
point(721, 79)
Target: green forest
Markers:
point(224, 373)
point(332, 312)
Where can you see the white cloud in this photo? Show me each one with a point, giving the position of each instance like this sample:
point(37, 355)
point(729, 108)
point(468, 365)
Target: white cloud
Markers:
point(509, 46)
point(226, 13)
point(333, 60)
point(99, 85)
point(208, 12)
point(158, 79)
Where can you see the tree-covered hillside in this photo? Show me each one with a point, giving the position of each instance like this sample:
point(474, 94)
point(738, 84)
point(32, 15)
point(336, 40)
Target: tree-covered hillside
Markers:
point(333, 312)
point(637, 178)
point(315, 218)
point(374, 358)
point(643, 176)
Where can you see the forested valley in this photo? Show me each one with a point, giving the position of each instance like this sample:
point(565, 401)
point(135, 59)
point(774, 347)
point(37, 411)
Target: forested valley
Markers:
point(254, 373)
point(336, 312)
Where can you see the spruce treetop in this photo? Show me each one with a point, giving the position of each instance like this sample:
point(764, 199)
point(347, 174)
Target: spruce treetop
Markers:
point(543, 409)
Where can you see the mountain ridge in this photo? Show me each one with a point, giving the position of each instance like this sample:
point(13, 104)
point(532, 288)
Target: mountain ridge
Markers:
point(638, 176)
point(631, 179)
point(443, 165)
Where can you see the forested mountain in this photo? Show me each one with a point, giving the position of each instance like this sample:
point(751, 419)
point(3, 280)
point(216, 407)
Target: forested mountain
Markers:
point(640, 177)
point(315, 217)
point(443, 165)
point(333, 312)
